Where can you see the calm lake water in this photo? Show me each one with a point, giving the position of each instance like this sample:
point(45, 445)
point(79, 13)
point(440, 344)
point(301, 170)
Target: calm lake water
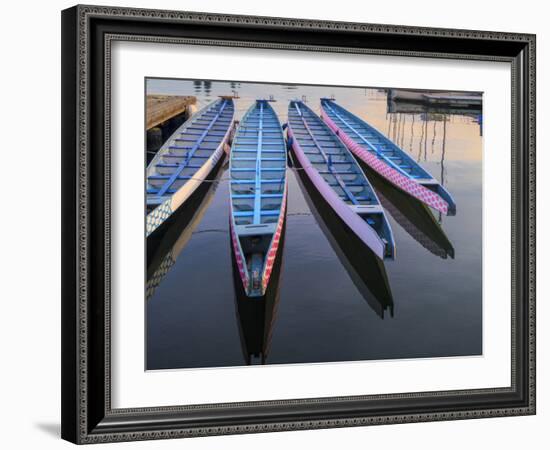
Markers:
point(327, 305)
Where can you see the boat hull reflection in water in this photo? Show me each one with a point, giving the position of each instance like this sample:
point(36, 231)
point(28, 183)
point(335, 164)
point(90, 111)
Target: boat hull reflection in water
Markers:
point(365, 269)
point(413, 216)
point(164, 247)
point(256, 315)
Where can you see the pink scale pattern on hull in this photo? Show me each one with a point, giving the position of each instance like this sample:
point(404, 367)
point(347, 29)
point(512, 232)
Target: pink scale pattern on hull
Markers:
point(410, 186)
point(272, 254)
point(241, 264)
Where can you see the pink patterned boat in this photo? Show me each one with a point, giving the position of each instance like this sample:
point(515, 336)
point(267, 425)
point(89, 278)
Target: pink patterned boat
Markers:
point(258, 195)
point(339, 179)
point(387, 159)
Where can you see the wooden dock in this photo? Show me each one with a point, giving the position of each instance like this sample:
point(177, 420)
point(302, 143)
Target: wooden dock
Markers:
point(161, 108)
point(165, 113)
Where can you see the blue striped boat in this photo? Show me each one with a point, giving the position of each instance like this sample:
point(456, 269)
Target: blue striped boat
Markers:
point(386, 158)
point(186, 160)
point(258, 195)
point(339, 179)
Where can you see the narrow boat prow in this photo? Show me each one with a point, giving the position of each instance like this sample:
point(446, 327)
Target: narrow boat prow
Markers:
point(258, 195)
point(339, 179)
point(383, 156)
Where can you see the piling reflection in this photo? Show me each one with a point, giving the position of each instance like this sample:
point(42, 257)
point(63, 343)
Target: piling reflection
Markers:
point(414, 217)
point(402, 109)
point(430, 118)
point(163, 248)
point(256, 315)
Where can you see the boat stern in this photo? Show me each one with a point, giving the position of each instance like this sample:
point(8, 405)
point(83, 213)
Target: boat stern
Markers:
point(444, 194)
point(255, 249)
point(438, 189)
point(376, 219)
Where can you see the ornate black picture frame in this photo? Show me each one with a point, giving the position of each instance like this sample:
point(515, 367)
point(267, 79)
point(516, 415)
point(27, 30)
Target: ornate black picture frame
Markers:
point(87, 35)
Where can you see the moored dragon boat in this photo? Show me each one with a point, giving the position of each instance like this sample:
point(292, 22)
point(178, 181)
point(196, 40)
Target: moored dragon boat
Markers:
point(186, 160)
point(339, 179)
point(258, 191)
point(386, 158)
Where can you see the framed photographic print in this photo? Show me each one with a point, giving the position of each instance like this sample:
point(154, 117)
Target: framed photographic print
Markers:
point(280, 224)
